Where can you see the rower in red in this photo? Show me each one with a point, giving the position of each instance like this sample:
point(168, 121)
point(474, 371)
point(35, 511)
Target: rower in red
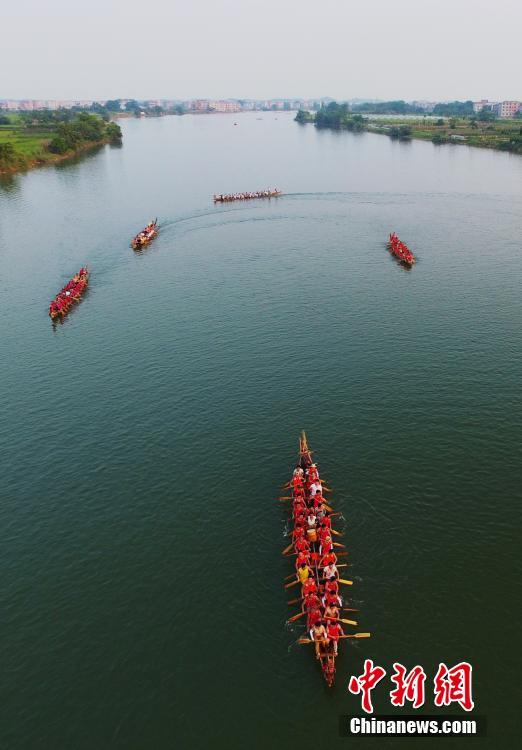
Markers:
point(334, 632)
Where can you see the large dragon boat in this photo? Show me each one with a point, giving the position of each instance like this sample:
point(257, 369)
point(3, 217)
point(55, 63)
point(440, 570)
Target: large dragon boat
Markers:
point(229, 197)
point(316, 559)
point(69, 295)
point(145, 236)
point(400, 250)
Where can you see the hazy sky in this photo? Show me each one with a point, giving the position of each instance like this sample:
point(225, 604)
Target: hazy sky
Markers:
point(411, 49)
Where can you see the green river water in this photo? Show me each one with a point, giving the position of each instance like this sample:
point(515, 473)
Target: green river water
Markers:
point(143, 442)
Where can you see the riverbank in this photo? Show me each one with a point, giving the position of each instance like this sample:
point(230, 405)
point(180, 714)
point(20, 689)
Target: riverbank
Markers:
point(26, 145)
point(46, 159)
point(502, 135)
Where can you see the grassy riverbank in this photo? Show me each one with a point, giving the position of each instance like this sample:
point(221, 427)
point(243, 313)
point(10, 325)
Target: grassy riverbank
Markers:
point(503, 135)
point(27, 142)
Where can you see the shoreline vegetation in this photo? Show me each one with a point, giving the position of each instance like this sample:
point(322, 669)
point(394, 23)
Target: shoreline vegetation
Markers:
point(454, 125)
point(34, 139)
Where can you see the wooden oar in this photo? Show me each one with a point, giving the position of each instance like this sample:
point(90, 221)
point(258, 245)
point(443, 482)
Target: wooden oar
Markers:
point(296, 617)
point(347, 609)
point(336, 533)
point(304, 641)
point(287, 549)
point(339, 619)
point(347, 583)
point(293, 583)
point(295, 601)
point(339, 544)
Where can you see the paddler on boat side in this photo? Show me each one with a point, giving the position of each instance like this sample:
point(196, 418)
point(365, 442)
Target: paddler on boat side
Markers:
point(301, 545)
point(328, 559)
point(331, 599)
point(331, 612)
point(334, 631)
point(311, 600)
point(313, 616)
point(326, 545)
point(303, 573)
point(320, 637)
point(330, 571)
point(309, 587)
point(303, 558)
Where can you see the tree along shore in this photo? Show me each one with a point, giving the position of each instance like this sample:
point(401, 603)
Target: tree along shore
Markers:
point(33, 139)
point(482, 130)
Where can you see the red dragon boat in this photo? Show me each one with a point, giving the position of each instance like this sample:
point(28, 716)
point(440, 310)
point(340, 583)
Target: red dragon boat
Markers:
point(69, 295)
point(145, 236)
point(317, 560)
point(400, 250)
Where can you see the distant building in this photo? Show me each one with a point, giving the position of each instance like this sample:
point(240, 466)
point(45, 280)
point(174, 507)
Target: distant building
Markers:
point(507, 109)
point(224, 106)
point(479, 106)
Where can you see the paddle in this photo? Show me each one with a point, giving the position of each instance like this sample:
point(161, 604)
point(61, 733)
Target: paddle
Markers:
point(296, 617)
point(336, 533)
point(294, 601)
point(347, 609)
point(287, 497)
point(339, 619)
point(338, 544)
point(293, 583)
point(304, 641)
point(347, 583)
point(287, 549)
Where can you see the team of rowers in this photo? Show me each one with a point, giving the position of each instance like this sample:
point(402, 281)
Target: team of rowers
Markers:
point(316, 561)
point(268, 193)
point(70, 293)
point(146, 235)
point(401, 250)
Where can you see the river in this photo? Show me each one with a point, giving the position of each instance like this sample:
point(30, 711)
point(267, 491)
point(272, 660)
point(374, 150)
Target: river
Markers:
point(145, 440)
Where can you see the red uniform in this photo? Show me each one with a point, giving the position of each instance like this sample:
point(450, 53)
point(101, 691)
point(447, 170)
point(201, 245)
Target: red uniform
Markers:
point(298, 509)
point(326, 522)
point(309, 587)
point(314, 615)
point(315, 558)
point(312, 601)
point(332, 600)
point(303, 558)
point(334, 630)
point(301, 545)
point(323, 533)
point(331, 557)
point(298, 533)
point(331, 586)
point(297, 482)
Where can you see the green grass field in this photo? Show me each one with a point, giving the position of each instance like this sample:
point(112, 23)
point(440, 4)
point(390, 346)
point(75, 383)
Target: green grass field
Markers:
point(485, 134)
